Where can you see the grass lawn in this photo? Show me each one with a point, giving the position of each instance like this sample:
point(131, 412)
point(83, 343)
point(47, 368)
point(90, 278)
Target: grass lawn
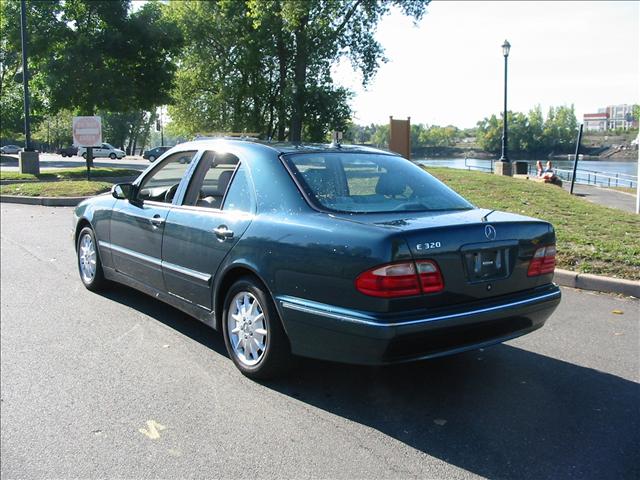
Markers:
point(64, 188)
point(70, 174)
point(590, 238)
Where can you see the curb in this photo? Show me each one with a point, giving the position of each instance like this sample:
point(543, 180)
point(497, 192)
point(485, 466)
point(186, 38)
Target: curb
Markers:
point(587, 281)
point(45, 201)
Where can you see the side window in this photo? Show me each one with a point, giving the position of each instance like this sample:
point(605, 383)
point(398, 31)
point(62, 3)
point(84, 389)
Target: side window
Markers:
point(240, 195)
point(162, 183)
point(211, 180)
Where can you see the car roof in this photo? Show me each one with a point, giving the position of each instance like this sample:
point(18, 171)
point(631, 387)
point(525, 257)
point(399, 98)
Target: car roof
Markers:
point(280, 147)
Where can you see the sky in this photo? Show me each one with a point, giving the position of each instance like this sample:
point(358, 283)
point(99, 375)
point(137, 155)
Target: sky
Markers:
point(449, 68)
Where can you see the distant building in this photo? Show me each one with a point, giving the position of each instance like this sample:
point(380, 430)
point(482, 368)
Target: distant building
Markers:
point(610, 118)
point(596, 122)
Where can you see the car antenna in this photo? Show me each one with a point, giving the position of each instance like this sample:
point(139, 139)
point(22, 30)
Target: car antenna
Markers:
point(484, 219)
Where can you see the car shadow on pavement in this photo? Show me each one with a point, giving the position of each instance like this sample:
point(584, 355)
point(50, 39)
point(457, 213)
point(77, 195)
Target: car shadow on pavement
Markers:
point(171, 317)
point(501, 412)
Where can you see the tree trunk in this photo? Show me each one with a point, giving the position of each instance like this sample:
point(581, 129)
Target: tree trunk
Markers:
point(282, 81)
point(299, 80)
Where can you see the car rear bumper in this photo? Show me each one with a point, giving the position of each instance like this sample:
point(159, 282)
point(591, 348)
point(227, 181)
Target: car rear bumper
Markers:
point(333, 333)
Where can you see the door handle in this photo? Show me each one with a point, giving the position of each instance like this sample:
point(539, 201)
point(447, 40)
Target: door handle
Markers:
point(222, 232)
point(157, 220)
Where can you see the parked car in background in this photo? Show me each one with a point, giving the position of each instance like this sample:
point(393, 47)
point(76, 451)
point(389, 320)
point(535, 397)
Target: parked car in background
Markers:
point(68, 151)
point(11, 149)
point(105, 150)
point(153, 154)
point(342, 253)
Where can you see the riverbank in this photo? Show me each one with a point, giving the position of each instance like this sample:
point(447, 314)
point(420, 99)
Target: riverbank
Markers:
point(589, 153)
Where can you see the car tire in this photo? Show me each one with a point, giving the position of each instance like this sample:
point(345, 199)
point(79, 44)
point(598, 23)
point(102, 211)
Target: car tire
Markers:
point(84, 155)
point(152, 158)
point(89, 263)
point(63, 154)
point(248, 312)
point(112, 156)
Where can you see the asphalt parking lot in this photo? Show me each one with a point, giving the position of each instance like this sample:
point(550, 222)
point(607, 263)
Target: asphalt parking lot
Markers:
point(120, 385)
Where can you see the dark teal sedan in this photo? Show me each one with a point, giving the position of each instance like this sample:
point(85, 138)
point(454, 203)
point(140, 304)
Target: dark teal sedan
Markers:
point(341, 253)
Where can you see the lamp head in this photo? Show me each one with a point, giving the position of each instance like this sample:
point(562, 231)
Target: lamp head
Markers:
point(506, 46)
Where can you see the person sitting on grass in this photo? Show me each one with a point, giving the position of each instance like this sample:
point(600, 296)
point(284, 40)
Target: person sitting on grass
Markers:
point(548, 174)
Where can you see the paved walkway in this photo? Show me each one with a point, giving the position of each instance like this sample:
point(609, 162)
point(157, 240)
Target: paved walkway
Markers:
point(604, 196)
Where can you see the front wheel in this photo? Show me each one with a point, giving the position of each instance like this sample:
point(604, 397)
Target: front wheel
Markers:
point(112, 156)
point(84, 155)
point(253, 333)
point(89, 263)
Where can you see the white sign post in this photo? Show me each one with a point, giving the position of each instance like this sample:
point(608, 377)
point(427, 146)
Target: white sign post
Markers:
point(87, 132)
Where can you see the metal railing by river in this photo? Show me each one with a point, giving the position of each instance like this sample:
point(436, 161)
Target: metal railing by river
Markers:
point(589, 172)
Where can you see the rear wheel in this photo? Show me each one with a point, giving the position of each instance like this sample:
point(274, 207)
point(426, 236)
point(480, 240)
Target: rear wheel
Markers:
point(89, 263)
point(152, 158)
point(84, 155)
point(253, 333)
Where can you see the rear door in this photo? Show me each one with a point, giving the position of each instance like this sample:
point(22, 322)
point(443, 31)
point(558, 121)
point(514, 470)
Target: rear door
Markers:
point(137, 225)
point(217, 209)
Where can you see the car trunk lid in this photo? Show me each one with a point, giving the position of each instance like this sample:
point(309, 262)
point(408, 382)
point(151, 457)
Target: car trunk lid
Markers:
point(481, 253)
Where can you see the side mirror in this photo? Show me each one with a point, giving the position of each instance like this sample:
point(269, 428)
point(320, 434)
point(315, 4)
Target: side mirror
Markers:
point(122, 191)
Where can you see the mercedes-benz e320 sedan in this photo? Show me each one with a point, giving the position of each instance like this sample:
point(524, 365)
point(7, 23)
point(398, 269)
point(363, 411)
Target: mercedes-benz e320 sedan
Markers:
point(342, 253)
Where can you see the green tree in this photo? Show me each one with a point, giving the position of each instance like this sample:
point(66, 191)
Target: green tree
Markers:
point(560, 129)
point(87, 56)
point(227, 80)
point(324, 31)
point(264, 65)
point(108, 58)
point(489, 134)
point(43, 28)
point(531, 134)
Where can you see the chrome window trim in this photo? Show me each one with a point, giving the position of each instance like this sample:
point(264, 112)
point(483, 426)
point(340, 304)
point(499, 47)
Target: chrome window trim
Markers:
point(338, 313)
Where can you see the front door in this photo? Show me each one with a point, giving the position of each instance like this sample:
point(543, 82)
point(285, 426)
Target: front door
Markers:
point(137, 225)
point(217, 209)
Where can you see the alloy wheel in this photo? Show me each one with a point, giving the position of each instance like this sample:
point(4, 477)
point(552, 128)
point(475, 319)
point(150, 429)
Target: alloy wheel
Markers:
point(87, 258)
point(247, 328)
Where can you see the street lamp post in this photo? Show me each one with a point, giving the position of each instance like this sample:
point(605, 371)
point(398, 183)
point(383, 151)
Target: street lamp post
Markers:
point(25, 76)
point(28, 160)
point(505, 157)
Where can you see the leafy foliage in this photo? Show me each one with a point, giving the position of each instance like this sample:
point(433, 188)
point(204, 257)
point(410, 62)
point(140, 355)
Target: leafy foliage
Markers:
point(264, 66)
point(86, 56)
point(531, 133)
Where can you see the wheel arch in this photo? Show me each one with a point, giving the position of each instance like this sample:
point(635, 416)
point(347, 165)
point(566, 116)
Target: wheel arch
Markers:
point(82, 222)
point(229, 277)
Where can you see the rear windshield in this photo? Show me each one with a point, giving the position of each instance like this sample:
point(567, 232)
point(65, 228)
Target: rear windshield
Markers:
point(371, 183)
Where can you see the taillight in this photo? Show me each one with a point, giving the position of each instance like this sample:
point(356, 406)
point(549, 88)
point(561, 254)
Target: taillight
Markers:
point(400, 279)
point(430, 276)
point(543, 261)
